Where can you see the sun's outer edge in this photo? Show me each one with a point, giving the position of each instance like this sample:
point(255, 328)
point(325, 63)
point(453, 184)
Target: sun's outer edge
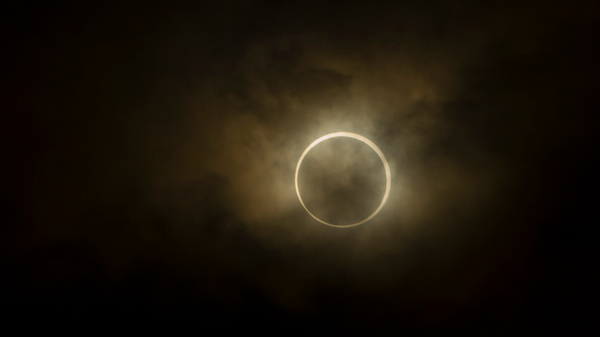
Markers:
point(386, 166)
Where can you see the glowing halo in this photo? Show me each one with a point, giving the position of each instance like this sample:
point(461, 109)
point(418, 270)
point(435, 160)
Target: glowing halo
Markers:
point(388, 183)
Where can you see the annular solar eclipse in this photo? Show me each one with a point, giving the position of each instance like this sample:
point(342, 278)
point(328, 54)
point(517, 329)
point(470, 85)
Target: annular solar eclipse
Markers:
point(370, 144)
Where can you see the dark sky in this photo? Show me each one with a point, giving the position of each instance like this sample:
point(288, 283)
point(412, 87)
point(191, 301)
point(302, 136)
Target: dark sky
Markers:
point(149, 150)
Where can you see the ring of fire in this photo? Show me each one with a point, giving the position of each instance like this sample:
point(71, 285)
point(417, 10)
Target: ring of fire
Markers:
point(364, 140)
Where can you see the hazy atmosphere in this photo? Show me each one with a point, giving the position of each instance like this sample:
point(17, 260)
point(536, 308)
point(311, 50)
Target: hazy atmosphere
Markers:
point(149, 153)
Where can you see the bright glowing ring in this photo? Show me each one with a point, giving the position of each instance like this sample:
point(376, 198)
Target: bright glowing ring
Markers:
point(388, 183)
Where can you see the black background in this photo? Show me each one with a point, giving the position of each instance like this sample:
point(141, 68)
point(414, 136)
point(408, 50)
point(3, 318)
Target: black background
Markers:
point(97, 118)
